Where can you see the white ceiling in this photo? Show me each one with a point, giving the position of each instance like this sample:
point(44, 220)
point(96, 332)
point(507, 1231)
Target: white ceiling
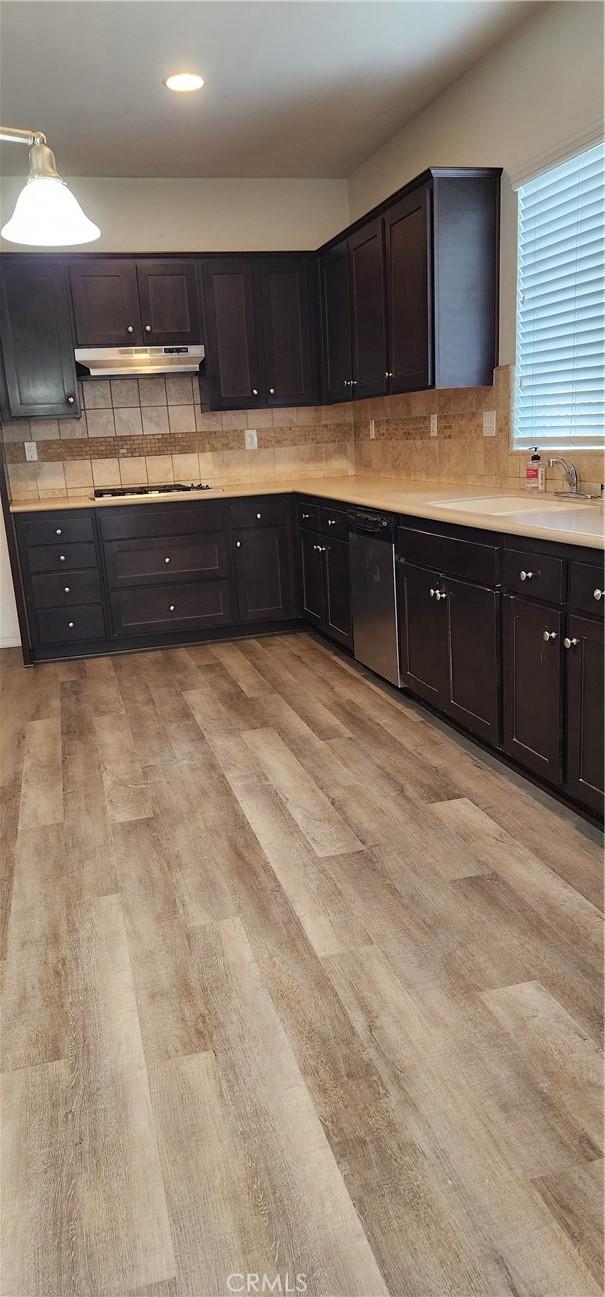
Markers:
point(292, 89)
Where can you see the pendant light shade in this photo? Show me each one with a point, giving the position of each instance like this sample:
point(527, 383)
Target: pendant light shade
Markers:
point(46, 213)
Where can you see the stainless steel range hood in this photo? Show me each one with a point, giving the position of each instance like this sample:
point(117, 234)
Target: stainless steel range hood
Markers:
point(100, 362)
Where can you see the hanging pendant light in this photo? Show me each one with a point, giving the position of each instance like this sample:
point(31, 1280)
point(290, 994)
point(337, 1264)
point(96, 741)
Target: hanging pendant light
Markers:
point(46, 213)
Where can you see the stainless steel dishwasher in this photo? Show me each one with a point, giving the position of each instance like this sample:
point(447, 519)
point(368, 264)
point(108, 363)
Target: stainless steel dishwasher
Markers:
point(374, 592)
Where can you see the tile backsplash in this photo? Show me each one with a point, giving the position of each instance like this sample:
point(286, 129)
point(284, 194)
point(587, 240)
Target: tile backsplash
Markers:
point(133, 431)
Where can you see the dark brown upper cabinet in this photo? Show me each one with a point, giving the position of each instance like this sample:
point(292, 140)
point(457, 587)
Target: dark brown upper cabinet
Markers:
point(419, 278)
point(368, 310)
point(288, 305)
point(37, 339)
point(336, 319)
point(408, 296)
point(106, 302)
point(261, 326)
point(119, 302)
point(232, 342)
point(168, 296)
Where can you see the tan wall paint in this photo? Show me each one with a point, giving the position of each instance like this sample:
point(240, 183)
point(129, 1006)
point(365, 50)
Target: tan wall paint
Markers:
point(542, 85)
point(207, 215)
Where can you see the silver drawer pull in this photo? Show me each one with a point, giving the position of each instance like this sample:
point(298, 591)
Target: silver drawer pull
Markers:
point(526, 576)
point(259, 515)
point(238, 544)
point(171, 607)
point(61, 558)
point(271, 391)
point(598, 594)
point(255, 391)
point(570, 643)
point(66, 589)
point(58, 532)
point(549, 634)
point(71, 624)
point(166, 560)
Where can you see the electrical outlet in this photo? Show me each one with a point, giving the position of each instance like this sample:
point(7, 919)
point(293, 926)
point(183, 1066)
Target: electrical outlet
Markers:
point(489, 423)
point(372, 430)
point(31, 450)
point(251, 439)
point(433, 425)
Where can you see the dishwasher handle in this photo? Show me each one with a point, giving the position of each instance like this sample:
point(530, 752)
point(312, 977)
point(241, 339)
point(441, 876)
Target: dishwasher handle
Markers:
point(372, 524)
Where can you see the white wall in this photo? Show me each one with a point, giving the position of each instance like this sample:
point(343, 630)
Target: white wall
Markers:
point(539, 87)
point(204, 215)
point(9, 629)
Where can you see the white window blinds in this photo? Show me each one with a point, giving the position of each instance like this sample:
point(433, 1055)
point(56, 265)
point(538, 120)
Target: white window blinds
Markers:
point(560, 375)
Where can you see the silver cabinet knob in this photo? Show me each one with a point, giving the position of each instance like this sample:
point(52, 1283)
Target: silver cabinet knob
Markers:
point(353, 382)
point(61, 558)
point(388, 373)
point(238, 544)
point(71, 624)
point(147, 328)
point(171, 607)
point(130, 328)
point(66, 589)
point(271, 391)
point(255, 391)
point(332, 522)
point(598, 594)
point(549, 634)
point(71, 400)
point(259, 515)
point(525, 576)
point(432, 593)
point(306, 515)
point(570, 643)
point(166, 560)
point(58, 531)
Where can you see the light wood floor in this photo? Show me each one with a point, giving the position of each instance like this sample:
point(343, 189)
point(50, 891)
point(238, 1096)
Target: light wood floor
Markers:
point(295, 983)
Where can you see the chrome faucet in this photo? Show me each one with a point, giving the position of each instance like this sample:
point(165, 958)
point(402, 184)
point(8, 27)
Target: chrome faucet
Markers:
point(571, 475)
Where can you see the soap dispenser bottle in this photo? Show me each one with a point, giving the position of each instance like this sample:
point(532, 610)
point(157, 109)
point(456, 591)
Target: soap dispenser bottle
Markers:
point(534, 472)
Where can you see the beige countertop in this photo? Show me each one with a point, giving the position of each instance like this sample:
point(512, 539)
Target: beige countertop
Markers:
point(516, 514)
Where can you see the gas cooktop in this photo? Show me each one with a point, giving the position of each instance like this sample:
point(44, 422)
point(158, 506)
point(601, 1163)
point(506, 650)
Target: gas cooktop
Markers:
point(163, 488)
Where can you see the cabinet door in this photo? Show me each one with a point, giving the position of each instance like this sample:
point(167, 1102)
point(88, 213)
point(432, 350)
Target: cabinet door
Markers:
point(263, 576)
point(338, 622)
point(532, 687)
point(233, 361)
point(106, 302)
point(288, 307)
point(336, 314)
point(366, 252)
point(312, 576)
point(409, 313)
point(37, 341)
point(584, 657)
point(473, 639)
point(168, 295)
point(423, 633)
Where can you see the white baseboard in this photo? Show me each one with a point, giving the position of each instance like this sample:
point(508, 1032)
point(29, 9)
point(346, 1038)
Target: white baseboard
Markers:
point(10, 641)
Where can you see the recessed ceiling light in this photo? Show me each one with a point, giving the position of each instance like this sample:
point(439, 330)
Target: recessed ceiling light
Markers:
point(183, 82)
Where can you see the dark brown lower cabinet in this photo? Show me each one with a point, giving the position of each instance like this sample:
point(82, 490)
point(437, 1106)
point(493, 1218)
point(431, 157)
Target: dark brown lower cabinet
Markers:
point(326, 586)
point(584, 660)
point(150, 610)
point(532, 686)
point(450, 635)
point(473, 657)
point(423, 641)
point(263, 574)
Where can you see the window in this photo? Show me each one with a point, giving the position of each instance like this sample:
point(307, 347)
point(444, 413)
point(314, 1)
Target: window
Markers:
point(560, 379)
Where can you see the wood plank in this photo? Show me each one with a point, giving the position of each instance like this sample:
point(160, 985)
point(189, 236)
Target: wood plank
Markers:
point(575, 1198)
point(126, 792)
point(42, 780)
point(308, 806)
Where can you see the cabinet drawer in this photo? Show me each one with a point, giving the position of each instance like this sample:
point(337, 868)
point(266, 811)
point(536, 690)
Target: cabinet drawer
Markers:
point(334, 522)
point(160, 520)
point(70, 625)
point(586, 588)
point(146, 562)
point(260, 512)
point(61, 558)
point(538, 575)
point(56, 592)
point(167, 608)
point(469, 560)
point(307, 515)
point(48, 529)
